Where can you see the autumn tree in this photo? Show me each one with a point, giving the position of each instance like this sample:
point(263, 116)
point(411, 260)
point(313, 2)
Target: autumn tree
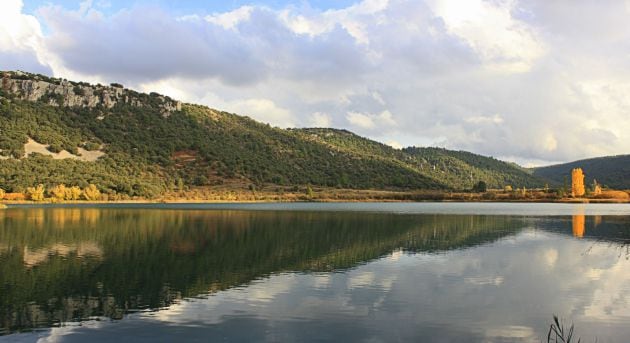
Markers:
point(73, 193)
point(36, 193)
point(58, 192)
point(577, 182)
point(2, 193)
point(91, 193)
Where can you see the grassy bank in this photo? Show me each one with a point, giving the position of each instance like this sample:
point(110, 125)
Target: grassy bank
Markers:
point(317, 194)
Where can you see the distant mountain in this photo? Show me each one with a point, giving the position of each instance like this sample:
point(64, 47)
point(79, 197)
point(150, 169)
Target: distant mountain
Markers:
point(134, 144)
point(611, 171)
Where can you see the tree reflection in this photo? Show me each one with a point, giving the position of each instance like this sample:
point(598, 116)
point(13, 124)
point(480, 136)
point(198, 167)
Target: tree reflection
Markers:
point(69, 264)
point(578, 225)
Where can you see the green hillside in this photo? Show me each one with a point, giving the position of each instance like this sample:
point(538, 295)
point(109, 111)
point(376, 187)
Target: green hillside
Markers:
point(457, 169)
point(610, 171)
point(462, 169)
point(151, 144)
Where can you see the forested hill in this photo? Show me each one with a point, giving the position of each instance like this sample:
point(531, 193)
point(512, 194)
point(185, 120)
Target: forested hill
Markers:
point(55, 131)
point(611, 171)
point(457, 169)
point(462, 168)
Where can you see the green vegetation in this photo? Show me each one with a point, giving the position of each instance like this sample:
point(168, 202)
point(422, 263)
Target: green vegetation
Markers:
point(480, 187)
point(35, 193)
point(611, 171)
point(464, 169)
point(150, 151)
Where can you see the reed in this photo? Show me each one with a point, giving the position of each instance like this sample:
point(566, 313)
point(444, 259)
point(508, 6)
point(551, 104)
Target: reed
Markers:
point(558, 334)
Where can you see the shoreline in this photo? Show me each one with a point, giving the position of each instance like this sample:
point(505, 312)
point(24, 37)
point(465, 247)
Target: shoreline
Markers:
point(272, 194)
point(269, 201)
point(329, 195)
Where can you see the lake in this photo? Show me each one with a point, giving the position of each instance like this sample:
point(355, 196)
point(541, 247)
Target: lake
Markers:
point(300, 272)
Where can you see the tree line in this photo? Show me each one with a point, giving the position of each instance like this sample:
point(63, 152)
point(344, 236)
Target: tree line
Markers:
point(56, 193)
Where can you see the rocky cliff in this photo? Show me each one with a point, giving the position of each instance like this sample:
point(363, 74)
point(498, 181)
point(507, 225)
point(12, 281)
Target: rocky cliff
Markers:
point(61, 92)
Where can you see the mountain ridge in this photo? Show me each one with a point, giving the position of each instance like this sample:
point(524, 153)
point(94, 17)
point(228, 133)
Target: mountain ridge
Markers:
point(609, 171)
point(151, 144)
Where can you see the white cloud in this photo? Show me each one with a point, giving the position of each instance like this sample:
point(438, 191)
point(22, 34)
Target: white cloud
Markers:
point(361, 120)
point(19, 31)
point(377, 96)
point(495, 119)
point(319, 119)
point(371, 121)
point(20, 39)
point(229, 20)
point(502, 42)
point(264, 110)
point(395, 145)
point(387, 118)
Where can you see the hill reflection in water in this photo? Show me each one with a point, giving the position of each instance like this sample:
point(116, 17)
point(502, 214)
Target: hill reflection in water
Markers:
point(67, 265)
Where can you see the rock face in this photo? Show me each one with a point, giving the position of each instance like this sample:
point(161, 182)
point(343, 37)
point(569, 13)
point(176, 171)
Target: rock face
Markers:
point(58, 92)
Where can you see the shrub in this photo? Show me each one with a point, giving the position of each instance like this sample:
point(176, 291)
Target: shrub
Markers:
point(489, 196)
point(73, 193)
point(480, 187)
point(91, 193)
point(58, 192)
point(35, 193)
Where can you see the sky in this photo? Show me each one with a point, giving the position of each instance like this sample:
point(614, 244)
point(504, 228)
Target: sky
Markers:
point(535, 82)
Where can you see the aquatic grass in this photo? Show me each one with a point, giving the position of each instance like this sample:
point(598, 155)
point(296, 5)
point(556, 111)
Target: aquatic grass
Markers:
point(557, 333)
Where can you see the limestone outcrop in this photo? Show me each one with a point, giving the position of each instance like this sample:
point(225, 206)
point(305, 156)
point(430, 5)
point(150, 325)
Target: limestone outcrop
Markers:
point(60, 92)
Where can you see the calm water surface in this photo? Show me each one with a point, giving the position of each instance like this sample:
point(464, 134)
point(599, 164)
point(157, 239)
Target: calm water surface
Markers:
point(314, 272)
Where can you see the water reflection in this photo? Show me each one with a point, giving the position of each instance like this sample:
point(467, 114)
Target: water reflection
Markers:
point(72, 264)
point(612, 230)
point(360, 276)
point(578, 225)
point(41, 255)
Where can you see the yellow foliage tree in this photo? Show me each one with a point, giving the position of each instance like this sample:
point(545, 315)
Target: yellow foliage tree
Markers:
point(577, 182)
point(58, 192)
point(73, 193)
point(36, 193)
point(2, 193)
point(91, 193)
